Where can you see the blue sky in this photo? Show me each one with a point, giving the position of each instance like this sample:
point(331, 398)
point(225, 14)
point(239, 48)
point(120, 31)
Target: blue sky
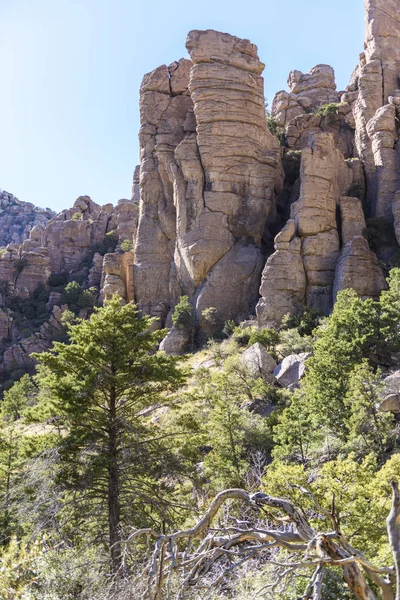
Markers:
point(70, 72)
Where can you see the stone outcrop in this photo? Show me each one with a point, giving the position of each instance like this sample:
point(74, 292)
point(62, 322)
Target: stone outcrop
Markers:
point(117, 276)
point(297, 111)
point(209, 197)
point(358, 268)
point(166, 113)
point(308, 91)
point(377, 83)
point(18, 218)
point(314, 247)
point(352, 218)
point(283, 283)
point(209, 172)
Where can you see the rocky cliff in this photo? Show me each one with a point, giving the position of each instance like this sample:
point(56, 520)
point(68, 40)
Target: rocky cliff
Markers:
point(17, 218)
point(240, 211)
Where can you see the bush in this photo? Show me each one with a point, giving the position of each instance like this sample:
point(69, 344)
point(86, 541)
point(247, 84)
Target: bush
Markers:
point(107, 245)
point(275, 128)
point(305, 322)
point(242, 335)
point(77, 297)
point(126, 245)
point(328, 110)
point(228, 328)
point(210, 321)
point(294, 343)
point(77, 216)
point(268, 338)
point(183, 314)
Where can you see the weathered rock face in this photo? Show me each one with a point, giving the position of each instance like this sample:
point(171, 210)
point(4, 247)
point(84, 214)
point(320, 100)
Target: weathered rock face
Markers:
point(376, 107)
point(304, 270)
point(208, 196)
point(283, 284)
point(208, 176)
point(297, 111)
point(74, 232)
point(312, 254)
point(17, 218)
point(165, 111)
point(308, 91)
point(352, 218)
point(358, 268)
point(117, 276)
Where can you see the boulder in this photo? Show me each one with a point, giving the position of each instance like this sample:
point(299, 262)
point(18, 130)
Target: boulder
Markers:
point(391, 393)
point(289, 372)
point(258, 361)
point(176, 341)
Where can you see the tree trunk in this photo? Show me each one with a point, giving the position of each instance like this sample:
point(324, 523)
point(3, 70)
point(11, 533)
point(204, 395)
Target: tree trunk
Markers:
point(114, 488)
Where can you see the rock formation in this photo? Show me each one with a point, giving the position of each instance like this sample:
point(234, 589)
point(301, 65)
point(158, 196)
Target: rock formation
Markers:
point(17, 218)
point(209, 172)
point(302, 270)
point(213, 189)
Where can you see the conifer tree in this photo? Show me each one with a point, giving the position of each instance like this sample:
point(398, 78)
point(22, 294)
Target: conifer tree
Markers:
point(102, 383)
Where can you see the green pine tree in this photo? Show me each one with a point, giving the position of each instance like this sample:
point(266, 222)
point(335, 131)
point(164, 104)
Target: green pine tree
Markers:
point(102, 385)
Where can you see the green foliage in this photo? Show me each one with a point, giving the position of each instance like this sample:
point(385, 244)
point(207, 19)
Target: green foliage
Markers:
point(328, 110)
point(183, 314)
point(294, 435)
point(390, 311)
point(29, 313)
point(210, 315)
point(234, 434)
point(340, 390)
point(242, 335)
point(77, 216)
point(305, 322)
point(275, 128)
point(78, 297)
point(350, 334)
point(3, 250)
point(229, 328)
point(293, 343)
point(107, 245)
point(101, 384)
point(126, 245)
point(369, 429)
point(17, 399)
point(19, 566)
point(269, 338)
